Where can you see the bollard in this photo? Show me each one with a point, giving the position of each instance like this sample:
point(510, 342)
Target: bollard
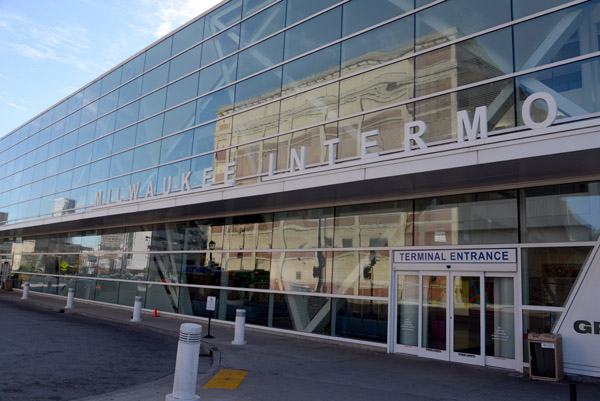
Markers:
point(25, 291)
point(240, 321)
point(70, 298)
point(137, 309)
point(186, 366)
point(573, 391)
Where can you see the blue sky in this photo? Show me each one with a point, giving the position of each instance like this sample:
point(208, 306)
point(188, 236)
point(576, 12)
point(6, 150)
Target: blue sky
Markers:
point(50, 48)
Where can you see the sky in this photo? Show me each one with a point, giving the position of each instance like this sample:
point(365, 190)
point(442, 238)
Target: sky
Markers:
point(51, 48)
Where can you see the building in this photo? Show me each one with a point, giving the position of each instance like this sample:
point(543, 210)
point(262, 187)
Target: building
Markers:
point(418, 175)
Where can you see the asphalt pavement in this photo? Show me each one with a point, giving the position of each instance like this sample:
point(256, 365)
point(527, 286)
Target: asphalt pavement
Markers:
point(278, 365)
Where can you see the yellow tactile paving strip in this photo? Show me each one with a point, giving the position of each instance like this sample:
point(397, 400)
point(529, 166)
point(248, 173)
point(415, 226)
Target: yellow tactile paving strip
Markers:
point(229, 379)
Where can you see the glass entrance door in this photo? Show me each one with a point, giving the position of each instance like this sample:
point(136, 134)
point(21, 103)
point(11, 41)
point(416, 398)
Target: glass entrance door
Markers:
point(434, 326)
point(466, 320)
point(464, 317)
point(500, 321)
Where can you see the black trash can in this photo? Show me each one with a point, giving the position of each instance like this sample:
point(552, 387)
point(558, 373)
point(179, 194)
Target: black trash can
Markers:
point(545, 357)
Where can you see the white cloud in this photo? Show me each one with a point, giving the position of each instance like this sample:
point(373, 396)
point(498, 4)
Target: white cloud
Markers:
point(38, 41)
point(164, 16)
point(16, 106)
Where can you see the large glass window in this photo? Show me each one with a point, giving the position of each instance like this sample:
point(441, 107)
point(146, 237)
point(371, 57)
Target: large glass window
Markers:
point(360, 14)
point(146, 156)
point(180, 118)
point(466, 62)
point(361, 319)
point(303, 229)
point(221, 45)
point(382, 44)
point(573, 86)
point(252, 6)
point(182, 90)
point(131, 69)
point(562, 213)
point(299, 9)
point(313, 33)
point(374, 225)
point(258, 89)
point(215, 105)
point(301, 271)
point(222, 17)
point(549, 274)
point(390, 126)
point(312, 138)
point(185, 63)
point(364, 273)
point(260, 57)
point(255, 123)
point(373, 89)
point(263, 24)
point(149, 129)
point(312, 69)
point(454, 19)
point(158, 53)
point(191, 34)
point(248, 232)
point(176, 147)
point(439, 113)
point(109, 82)
point(482, 218)
point(217, 75)
point(522, 8)
point(152, 103)
point(130, 91)
point(124, 139)
point(557, 36)
point(155, 78)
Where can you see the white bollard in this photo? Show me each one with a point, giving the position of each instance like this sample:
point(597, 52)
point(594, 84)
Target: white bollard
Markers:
point(25, 291)
point(137, 309)
point(70, 298)
point(240, 322)
point(186, 366)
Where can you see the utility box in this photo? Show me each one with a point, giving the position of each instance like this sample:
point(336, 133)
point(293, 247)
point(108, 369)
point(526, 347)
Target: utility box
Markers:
point(545, 357)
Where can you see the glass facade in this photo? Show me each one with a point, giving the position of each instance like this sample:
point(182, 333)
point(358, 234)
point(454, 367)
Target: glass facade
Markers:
point(291, 74)
point(251, 83)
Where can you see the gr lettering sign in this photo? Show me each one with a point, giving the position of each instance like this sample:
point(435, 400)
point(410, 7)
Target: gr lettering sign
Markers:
point(585, 327)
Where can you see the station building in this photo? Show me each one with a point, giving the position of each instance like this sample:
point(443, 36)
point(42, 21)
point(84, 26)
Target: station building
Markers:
point(418, 175)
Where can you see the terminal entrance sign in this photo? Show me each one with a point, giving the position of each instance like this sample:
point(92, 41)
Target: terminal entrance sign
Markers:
point(464, 259)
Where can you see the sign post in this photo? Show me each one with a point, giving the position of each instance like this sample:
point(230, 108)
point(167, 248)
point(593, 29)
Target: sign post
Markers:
point(211, 302)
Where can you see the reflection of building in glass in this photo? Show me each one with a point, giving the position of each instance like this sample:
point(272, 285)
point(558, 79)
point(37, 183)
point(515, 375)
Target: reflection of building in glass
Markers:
point(63, 206)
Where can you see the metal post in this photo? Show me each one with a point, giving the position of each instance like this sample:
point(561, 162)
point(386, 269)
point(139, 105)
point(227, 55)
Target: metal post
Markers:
point(25, 291)
point(137, 309)
point(240, 322)
point(186, 366)
point(573, 391)
point(70, 298)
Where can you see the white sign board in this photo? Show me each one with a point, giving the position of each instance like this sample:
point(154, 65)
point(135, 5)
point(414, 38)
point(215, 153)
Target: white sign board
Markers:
point(580, 327)
point(469, 259)
point(211, 302)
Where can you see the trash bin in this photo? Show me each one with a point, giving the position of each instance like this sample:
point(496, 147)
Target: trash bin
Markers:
point(545, 357)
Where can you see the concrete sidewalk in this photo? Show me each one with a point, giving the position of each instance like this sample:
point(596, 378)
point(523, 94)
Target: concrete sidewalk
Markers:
point(293, 368)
